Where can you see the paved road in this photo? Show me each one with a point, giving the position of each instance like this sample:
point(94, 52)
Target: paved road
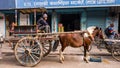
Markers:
point(73, 59)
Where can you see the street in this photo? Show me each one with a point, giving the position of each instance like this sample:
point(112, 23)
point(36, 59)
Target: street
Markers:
point(73, 59)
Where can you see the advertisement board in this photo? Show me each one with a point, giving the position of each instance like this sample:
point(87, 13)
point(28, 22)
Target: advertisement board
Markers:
point(65, 3)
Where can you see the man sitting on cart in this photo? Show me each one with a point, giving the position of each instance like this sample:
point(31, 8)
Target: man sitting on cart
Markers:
point(42, 23)
point(110, 31)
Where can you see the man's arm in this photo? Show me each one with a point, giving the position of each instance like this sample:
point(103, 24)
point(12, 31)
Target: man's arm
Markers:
point(40, 22)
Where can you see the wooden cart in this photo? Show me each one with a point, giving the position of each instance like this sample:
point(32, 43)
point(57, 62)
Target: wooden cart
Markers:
point(111, 45)
point(114, 48)
point(28, 47)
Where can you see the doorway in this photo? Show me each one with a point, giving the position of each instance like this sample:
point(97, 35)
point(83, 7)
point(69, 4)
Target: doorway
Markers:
point(70, 22)
point(9, 18)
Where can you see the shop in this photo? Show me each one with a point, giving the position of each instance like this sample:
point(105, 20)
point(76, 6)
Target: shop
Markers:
point(69, 19)
point(81, 18)
point(6, 15)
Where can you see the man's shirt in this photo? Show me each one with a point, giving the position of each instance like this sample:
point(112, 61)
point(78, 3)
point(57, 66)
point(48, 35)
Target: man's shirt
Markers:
point(42, 22)
point(111, 30)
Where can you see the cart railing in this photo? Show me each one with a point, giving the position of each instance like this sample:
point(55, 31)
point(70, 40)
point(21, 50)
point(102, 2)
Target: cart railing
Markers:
point(112, 40)
point(55, 33)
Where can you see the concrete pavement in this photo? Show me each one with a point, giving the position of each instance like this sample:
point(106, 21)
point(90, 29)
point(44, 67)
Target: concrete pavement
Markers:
point(73, 59)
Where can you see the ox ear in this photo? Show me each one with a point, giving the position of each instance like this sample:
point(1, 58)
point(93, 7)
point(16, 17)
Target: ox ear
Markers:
point(96, 28)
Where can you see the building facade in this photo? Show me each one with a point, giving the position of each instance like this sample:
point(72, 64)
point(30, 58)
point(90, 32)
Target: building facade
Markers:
point(73, 14)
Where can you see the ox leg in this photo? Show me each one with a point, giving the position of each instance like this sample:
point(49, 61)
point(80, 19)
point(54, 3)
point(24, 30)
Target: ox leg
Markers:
point(61, 55)
point(86, 54)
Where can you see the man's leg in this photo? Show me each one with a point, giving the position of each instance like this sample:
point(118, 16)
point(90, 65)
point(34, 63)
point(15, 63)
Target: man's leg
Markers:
point(42, 28)
point(110, 37)
point(47, 29)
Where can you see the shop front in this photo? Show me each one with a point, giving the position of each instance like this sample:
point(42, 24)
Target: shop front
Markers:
point(81, 18)
point(72, 14)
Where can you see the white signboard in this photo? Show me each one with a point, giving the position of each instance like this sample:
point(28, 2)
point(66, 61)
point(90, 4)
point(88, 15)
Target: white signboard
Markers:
point(2, 25)
point(24, 19)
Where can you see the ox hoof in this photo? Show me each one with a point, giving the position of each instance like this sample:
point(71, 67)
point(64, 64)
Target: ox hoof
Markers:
point(61, 60)
point(85, 60)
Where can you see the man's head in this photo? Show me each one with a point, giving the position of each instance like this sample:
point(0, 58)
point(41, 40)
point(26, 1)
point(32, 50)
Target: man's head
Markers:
point(112, 25)
point(45, 16)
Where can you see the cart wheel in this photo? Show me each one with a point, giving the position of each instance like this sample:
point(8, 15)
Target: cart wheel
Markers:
point(116, 52)
point(47, 47)
point(28, 51)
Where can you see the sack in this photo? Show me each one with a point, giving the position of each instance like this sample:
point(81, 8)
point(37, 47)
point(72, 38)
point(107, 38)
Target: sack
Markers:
point(107, 31)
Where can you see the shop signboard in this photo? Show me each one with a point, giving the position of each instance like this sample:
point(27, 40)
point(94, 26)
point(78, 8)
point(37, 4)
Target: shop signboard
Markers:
point(65, 3)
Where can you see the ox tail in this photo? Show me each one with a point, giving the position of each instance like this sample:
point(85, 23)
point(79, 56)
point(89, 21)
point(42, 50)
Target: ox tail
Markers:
point(55, 45)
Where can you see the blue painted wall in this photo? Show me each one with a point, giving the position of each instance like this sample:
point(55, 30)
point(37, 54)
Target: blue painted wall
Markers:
point(83, 20)
point(7, 4)
point(96, 18)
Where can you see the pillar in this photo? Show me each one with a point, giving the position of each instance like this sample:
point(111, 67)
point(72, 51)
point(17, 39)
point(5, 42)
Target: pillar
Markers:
point(54, 21)
point(83, 20)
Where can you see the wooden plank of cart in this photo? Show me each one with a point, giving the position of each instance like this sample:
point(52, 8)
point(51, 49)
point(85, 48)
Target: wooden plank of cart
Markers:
point(21, 31)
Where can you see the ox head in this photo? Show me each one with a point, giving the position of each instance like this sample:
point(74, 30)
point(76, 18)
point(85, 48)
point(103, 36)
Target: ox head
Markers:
point(95, 32)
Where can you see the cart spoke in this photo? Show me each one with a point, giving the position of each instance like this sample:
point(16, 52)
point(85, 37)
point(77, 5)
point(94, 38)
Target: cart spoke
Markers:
point(35, 46)
point(22, 57)
point(26, 43)
point(35, 53)
point(20, 53)
point(33, 50)
point(36, 56)
point(22, 45)
point(32, 57)
point(31, 43)
point(20, 50)
point(46, 45)
point(26, 59)
point(46, 49)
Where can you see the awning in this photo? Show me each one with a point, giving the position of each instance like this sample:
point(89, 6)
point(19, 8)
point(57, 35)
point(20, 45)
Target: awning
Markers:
point(32, 10)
